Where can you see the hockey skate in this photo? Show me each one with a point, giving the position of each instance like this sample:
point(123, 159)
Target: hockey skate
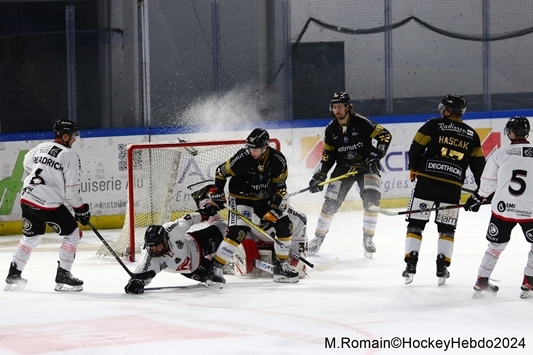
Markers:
point(368, 244)
point(283, 273)
point(442, 270)
point(14, 280)
point(410, 269)
point(216, 277)
point(527, 286)
point(66, 282)
point(483, 284)
point(315, 244)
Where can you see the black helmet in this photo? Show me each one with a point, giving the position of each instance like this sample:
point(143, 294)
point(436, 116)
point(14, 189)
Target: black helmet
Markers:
point(155, 235)
point(453, 103)
point(259, 138)
point(339, 97)
point(519, 125)
point(65, 126)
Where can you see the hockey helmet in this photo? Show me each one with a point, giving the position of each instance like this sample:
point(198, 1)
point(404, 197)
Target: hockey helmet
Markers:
point(154, 236)
point(455, 104)
point(339, 97)
point(519, 125)
point(65, 126)
point(259, 138)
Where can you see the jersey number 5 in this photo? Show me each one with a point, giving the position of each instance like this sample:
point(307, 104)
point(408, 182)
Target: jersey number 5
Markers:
point(517, 179)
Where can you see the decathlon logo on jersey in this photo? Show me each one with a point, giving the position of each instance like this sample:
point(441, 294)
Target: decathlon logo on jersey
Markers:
point(448, 169)
point(527, 152)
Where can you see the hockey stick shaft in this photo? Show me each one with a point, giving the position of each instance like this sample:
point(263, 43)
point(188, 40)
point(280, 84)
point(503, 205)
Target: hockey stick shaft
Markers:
point(173, 287)
point(392, 213)
point(340, 177)
point(291, 252)
point(141, 276)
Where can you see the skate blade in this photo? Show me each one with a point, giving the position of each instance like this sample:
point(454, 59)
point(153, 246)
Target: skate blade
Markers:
point(525, 294)
point(285, 280)
point(481, 294)
point(67, 288)
point(14, 287)
point(441, 281)
point(368, 255)
point(212, 284)
point(408, 279)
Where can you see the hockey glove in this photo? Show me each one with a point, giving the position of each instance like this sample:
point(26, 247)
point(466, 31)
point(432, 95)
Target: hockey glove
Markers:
point(273, 215)
point(374, 167)
point(135, 286)
point(318, 178)
point(473, 203)
point(82, 214)
point(207, 210)
point(412, 175)
point(218, 197)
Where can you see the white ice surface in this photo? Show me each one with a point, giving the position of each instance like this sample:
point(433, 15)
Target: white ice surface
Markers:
point(360, 299)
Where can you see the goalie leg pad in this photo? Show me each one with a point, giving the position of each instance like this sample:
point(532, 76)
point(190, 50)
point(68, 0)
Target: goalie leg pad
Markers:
point(244, 257)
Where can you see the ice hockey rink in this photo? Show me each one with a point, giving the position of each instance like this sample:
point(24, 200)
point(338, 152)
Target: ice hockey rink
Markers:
point(359, 303)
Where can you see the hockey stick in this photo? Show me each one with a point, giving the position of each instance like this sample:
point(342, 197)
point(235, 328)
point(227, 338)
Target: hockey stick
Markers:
point(141, 276)
point(323, 267)
point(175, 287)
point(192, 151)
point(351, 173)
point(392, 213)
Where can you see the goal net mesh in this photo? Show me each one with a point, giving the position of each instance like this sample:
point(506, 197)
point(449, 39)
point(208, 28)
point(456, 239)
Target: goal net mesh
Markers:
point(161, 178)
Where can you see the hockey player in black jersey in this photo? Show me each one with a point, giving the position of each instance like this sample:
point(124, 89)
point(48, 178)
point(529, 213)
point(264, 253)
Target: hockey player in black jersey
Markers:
point(353, 142)
point(257, 177)
point(440, 153)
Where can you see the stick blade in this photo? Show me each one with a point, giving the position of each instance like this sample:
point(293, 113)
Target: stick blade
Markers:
point(378, 209)
point(326, 266)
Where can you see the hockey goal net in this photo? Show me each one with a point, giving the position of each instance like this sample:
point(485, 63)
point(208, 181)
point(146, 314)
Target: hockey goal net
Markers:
point(161, 178)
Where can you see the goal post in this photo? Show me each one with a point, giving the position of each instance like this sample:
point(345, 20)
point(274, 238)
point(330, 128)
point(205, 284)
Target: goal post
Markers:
point(161, 178)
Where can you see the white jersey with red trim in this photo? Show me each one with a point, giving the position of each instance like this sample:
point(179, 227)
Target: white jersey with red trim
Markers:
point(54, 177)
point(184, 254)
point(508, 174)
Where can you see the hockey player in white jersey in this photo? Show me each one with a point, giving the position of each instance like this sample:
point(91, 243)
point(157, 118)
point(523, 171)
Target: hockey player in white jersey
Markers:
point(53, 182)
point(505, 183)
point(172, 248)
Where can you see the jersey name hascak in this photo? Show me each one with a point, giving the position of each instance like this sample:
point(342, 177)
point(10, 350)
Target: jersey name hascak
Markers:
point(48, 162)
point(444, 168)
point(455, 142)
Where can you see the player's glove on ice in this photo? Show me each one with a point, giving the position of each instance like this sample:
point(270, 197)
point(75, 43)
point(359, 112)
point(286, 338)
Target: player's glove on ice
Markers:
point(82, 214)
point(135, 286)
point(318, 178)
point(473, 203)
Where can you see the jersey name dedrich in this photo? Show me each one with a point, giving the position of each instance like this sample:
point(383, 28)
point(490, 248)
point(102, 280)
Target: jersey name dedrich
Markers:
point(48, 162)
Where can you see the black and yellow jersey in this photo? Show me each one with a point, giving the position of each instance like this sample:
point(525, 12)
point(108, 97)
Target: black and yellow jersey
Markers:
point(352, 144)
point(444, 148)
point(254, 179)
